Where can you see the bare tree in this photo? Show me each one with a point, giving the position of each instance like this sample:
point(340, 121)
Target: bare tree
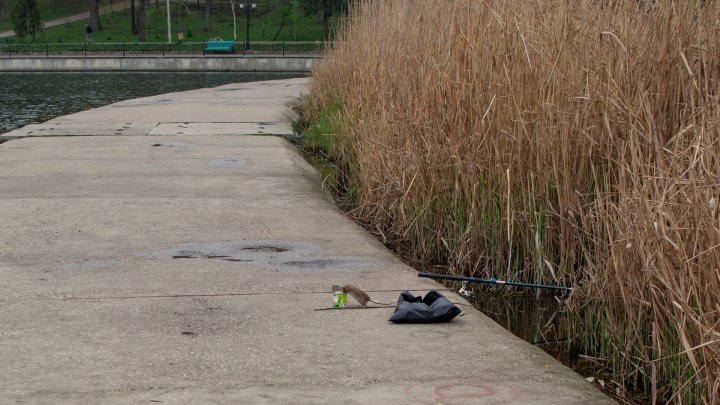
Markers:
point(180, 7)
point(232, 7)
point(208, 9)
point(95, 15)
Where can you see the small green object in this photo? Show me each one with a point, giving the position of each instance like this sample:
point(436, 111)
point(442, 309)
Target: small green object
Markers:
point(340, 299)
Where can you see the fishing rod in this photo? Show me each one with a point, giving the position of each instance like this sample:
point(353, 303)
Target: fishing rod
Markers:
point(491, 281)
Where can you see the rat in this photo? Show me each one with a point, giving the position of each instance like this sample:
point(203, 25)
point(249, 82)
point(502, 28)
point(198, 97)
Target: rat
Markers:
point(360, 295)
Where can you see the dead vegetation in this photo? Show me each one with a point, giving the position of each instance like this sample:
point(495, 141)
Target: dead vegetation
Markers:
point(565, 142)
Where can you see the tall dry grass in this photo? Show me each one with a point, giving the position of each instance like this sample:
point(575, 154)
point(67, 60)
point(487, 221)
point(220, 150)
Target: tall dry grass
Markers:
point(559, 141)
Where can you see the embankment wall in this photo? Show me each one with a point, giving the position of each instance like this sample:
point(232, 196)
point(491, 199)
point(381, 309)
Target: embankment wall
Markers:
point(179, 64)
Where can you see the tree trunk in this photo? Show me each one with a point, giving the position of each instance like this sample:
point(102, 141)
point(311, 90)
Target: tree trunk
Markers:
point(208, 7)
point(133, 26)
point(95, 15)
point(232, 7)
point(326, 16)
point(282, 25)
point(142, 20)
point(3, 10)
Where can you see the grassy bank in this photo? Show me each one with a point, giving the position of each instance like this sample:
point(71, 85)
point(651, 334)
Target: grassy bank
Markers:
point(52, 9)
point(266, 24)
point(565, 142)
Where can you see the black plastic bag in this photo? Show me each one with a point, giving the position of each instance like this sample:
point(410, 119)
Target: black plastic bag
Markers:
point(433, 308)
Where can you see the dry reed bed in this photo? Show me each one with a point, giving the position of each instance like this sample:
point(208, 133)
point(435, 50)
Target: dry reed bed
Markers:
point(563, 141)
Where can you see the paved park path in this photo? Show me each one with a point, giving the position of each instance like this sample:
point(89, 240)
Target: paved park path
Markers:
point(168, 257)
point(76, 17)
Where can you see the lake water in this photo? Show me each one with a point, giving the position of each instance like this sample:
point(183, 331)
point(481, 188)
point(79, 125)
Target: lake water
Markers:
point(27, 98)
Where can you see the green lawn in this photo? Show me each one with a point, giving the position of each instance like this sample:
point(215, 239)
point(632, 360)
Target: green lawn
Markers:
point(51, 9)
point(264, 24)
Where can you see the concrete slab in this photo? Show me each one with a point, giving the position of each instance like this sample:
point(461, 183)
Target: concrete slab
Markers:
point(244, 102)
point(233, 109)
point(160, 348)
point(219, 128)
point(188, 269)
point(61, 128)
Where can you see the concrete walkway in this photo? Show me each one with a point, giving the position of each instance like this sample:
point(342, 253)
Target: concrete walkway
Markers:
point(75, 17)
point(171, 259)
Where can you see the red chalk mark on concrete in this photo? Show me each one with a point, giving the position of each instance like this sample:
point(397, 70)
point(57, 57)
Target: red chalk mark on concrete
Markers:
point(457, 393)
point(449, 392)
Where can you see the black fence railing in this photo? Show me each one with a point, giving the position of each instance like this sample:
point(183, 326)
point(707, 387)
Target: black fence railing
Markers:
point(129, 49)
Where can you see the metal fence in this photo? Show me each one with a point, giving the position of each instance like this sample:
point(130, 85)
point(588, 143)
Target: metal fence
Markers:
point(130, 49)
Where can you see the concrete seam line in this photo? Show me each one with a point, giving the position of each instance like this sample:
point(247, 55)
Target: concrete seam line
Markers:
point(210, 295)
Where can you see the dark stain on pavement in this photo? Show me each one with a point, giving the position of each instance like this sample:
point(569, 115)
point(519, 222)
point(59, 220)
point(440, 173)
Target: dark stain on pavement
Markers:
point(284, 255)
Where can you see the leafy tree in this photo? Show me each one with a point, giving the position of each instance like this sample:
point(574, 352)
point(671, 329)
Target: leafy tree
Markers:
point(25, 18)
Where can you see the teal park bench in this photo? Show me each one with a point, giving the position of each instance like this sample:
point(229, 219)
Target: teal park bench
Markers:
point(219, 47)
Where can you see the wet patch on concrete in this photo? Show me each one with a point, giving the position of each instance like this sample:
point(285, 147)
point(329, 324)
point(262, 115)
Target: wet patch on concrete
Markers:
point(170, 144)
point(329, 263)
point(265, 249)
point(283, 255)
point(228, 163)
point(250, 250)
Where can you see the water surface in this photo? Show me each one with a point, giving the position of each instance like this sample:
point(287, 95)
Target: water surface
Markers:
point(27, 98)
